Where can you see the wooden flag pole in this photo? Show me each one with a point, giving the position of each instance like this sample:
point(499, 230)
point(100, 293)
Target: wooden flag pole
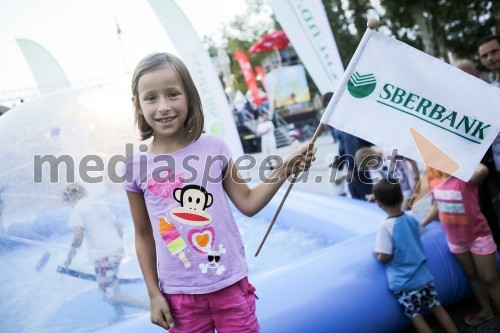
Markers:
point(311, 146)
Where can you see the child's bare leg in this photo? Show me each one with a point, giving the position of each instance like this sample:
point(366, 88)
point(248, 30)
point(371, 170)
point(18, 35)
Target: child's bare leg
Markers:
point(119, 310)
point(420, 324)
point(486, 267)
point(444, 319)
point(480, 290)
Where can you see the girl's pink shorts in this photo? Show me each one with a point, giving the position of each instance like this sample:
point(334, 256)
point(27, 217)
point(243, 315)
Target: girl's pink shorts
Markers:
point(481, 245)
point(230, 310)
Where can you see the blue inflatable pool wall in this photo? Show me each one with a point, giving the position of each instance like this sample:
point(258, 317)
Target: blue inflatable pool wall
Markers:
point(341, 288)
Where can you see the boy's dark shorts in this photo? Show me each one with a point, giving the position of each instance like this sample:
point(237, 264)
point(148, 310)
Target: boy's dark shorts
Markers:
point(413, 302)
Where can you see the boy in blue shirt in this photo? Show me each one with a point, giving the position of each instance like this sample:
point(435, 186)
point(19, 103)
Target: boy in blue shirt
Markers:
point(398, 245)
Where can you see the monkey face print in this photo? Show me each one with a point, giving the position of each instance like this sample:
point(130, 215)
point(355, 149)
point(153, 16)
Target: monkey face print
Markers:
point(193, 199)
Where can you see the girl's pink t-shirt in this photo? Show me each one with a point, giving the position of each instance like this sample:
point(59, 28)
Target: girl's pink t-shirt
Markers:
point(458, 205)
point(199, 248)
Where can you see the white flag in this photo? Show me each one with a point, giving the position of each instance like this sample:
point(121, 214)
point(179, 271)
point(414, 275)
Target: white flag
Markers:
point(307, 27)
point(390, 88)
point(46, 70)
point(219, 119)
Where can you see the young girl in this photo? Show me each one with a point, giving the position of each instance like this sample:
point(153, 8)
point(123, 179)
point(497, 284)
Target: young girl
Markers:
point(188, 245)
point(469, 237)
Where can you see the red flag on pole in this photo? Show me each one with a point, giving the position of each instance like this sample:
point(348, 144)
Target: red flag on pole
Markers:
point(246, 67)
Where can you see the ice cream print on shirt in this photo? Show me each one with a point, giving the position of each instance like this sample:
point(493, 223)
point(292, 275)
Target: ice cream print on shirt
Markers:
point(173, 240)
point(194, 200)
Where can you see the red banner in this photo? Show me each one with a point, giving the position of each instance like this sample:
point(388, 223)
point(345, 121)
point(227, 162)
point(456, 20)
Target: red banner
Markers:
point(246, 67)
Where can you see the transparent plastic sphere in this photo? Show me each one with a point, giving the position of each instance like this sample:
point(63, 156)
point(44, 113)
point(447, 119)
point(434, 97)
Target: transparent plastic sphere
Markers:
point(70, 136)
point(44, 141)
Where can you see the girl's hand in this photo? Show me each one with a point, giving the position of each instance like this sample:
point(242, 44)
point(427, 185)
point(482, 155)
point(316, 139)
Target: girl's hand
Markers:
point(300, 159)
point(431, 216)
point(160, 312)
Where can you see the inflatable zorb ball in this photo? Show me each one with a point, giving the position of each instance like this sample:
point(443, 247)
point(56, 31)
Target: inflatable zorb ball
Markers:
point(59, 138)
point(65, 130)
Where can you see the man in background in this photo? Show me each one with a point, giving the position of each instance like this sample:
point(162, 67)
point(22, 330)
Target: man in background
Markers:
point(489, 192)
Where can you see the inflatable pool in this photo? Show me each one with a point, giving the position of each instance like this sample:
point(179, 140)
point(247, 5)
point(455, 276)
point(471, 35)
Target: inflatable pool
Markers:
point(75, 303)
point(328, 283)
point(340, 288)
point(316, 272)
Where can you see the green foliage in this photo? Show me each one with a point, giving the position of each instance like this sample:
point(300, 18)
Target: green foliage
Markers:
point(346, 41)
point(359, 12)
point(344, 31)
point(400, 23)
point(241, 34)
point(453, 25)
point(469, 23)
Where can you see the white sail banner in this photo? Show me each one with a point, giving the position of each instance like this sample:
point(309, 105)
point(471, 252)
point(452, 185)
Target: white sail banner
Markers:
point(306, 25)
point(46, 70)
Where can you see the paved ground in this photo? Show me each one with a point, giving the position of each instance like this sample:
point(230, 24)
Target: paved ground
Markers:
point(318, 181)
point(458, 311)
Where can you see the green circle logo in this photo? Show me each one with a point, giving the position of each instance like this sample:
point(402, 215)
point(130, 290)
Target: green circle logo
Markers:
point(360, 86)
point(217, 129)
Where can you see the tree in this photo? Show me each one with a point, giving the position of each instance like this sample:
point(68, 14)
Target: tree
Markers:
point(242, 32)
point(359, 10)
point(470, 23)
point(437, 27)
point(346, 41)
point(434, 26)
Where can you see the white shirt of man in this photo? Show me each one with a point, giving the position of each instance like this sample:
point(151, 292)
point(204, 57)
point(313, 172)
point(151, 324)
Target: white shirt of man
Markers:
point(100, 228)
point(268, 141)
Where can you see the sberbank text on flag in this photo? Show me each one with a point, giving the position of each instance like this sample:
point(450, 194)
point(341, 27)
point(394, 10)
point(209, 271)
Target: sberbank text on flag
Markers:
point(390, 87)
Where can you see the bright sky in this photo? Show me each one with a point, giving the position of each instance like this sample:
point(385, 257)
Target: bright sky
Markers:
point(81, 35)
